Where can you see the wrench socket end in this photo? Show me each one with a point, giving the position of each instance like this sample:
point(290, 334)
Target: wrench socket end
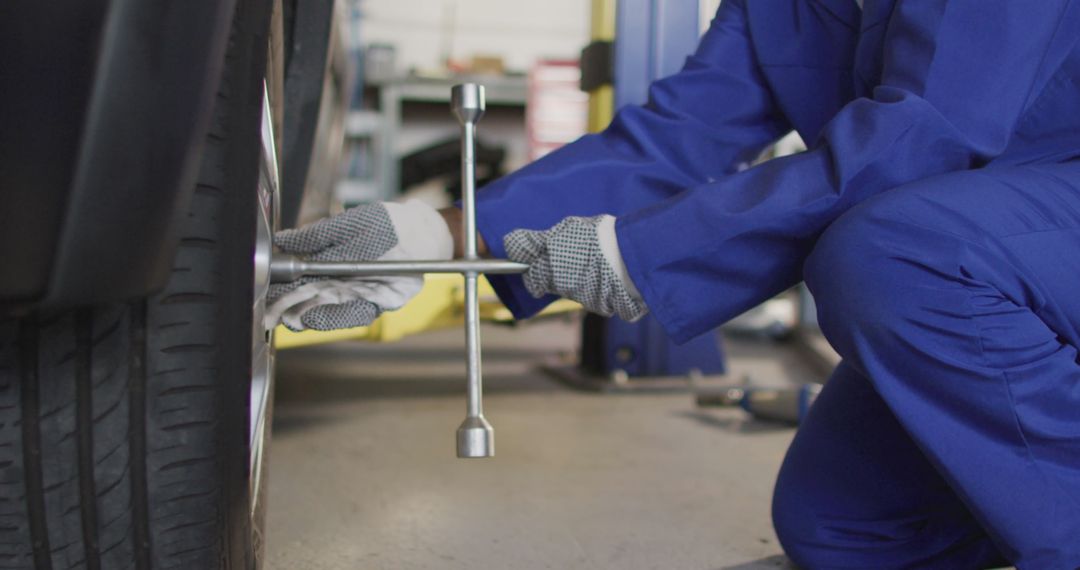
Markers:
point(467, 102)
point(475, 438)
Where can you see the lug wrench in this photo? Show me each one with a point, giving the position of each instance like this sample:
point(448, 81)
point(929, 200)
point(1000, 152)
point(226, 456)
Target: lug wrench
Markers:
point(475, 437)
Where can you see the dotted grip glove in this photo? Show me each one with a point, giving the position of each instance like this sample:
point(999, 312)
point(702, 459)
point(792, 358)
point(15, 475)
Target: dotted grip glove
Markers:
point(578, 259)
point(380, 231)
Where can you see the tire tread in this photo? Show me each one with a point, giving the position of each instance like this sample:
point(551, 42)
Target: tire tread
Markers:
point(84, 426)
point(33, 493)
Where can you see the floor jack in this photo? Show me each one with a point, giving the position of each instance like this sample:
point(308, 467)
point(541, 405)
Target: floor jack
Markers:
point(475, 437)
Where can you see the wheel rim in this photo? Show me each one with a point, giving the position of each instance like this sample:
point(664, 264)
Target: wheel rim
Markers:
point(262, 341)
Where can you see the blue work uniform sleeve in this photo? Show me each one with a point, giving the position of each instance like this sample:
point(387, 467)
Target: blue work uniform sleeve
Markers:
point(958, 75)
point(699, 125)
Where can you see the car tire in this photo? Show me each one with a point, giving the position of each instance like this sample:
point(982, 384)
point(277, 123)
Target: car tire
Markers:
point(124, 429)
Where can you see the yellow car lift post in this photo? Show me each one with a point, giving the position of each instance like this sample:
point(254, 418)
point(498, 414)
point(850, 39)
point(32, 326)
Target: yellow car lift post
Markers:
point(602, 96)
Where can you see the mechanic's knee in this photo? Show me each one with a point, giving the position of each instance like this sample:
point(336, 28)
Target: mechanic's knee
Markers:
point(794, 523)
point(847, 274)
point(810, 538)
point(816, 533)
point(856, 271)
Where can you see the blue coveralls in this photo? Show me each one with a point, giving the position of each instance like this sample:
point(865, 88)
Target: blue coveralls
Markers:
point(936, 218)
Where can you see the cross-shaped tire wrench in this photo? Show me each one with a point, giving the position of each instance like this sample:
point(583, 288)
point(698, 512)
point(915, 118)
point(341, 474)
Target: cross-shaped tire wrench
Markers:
point(475, 438)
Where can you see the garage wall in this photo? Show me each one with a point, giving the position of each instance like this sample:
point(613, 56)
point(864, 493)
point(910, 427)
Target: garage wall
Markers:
point(521, 31)
point(708, 10)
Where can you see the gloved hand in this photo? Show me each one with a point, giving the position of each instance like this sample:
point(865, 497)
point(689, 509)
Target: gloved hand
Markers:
point(578, 259)
point(381, 231)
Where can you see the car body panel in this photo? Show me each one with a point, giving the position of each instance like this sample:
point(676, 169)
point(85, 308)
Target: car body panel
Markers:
point(105, 105)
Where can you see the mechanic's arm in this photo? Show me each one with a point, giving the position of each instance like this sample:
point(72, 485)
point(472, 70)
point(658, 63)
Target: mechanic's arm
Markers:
point(700, 124)
point(958, 75)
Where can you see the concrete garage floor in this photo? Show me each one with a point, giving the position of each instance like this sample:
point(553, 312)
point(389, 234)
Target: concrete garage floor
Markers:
point(363, 473)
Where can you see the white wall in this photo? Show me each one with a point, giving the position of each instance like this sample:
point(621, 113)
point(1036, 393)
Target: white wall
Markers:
point(708, 10)
point(520, 31)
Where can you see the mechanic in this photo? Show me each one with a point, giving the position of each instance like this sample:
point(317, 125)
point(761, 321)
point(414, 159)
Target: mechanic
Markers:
point(936, 219)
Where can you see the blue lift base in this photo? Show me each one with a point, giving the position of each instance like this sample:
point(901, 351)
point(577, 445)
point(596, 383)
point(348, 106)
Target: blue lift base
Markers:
point(617, 356)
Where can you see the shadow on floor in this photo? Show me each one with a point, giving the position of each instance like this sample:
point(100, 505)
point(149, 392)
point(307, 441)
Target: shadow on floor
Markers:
point(744, 423)
point(314, 388)
point(355, 371)
point(389, 352)
point(294, 422)
point(767, 563)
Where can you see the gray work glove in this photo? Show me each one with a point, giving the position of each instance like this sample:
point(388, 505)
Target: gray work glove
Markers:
point(578, 259)
point(381, 231)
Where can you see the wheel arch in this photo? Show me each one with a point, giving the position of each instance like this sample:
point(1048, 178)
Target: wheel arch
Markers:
point(313, 62)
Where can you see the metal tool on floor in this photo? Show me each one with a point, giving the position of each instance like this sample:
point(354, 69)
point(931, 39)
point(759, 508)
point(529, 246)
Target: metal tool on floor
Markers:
point(786, 405)
point(475, 437)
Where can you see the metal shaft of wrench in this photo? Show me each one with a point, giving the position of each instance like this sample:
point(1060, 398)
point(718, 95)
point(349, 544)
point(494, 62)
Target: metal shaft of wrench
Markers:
point(286, 268)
